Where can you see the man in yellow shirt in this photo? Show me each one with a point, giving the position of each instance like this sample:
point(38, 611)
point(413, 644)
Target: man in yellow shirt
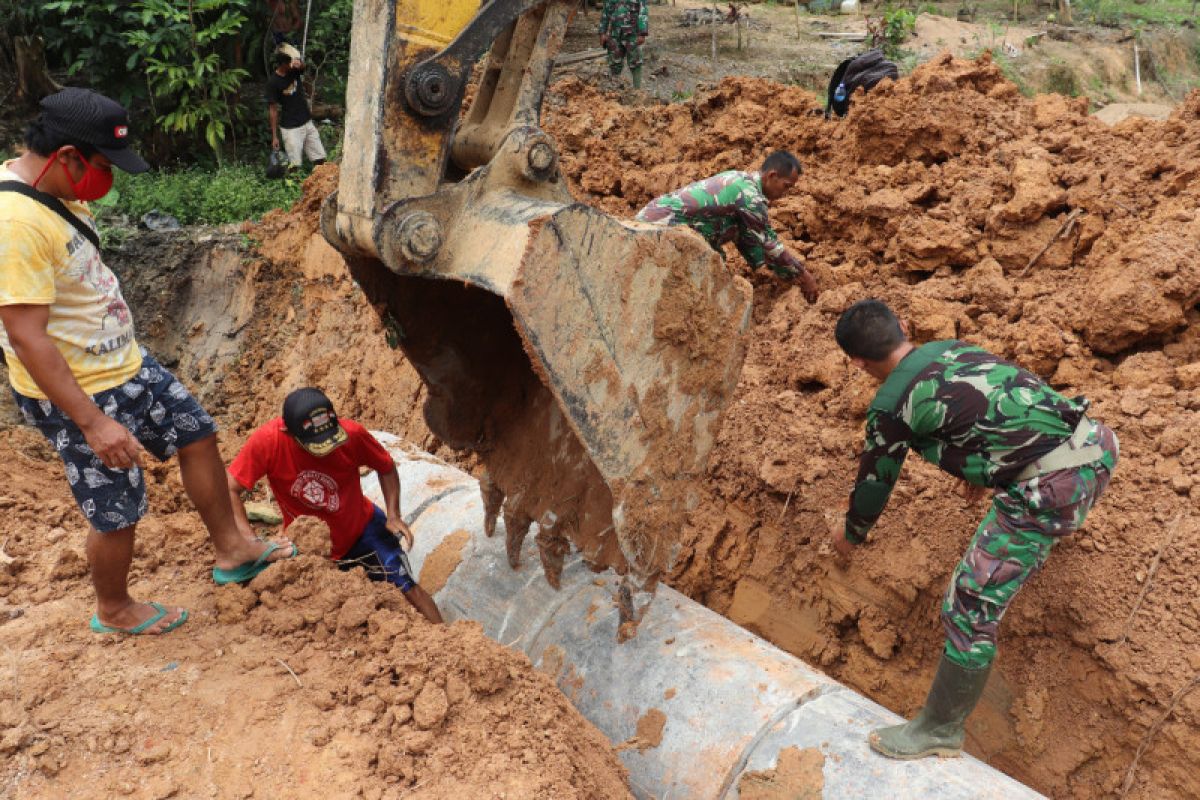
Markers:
point(77, 372)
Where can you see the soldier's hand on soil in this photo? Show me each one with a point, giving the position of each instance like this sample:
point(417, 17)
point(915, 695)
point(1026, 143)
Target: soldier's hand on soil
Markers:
point(112, 443)
point(808, 286)
point(641, 40)
point(604, 40)
point(843, 547)
point(970, 492)
point(400, 528)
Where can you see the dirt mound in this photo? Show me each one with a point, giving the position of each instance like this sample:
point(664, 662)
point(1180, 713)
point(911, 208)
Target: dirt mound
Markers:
point(1033, 230)
point(309, 683)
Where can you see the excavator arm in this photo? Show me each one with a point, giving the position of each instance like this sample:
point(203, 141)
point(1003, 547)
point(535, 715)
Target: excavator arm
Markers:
point(585, 360)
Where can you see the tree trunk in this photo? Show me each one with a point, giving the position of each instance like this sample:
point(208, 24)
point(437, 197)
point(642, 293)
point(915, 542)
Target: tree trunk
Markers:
point(33, 76)
point(1064, 12)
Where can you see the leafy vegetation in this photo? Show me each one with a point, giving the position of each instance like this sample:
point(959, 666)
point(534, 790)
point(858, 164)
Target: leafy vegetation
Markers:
point(891, 30)
point(227, 194)
point(187, 64)
point(1121, 13)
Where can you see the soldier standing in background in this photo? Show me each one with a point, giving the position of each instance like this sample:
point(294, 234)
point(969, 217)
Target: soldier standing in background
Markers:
point(623, 27)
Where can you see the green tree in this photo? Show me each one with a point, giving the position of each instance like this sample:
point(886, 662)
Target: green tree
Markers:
point(184, 47)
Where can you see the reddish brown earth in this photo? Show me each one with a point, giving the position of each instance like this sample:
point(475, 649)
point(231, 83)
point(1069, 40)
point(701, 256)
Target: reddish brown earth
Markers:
point(935, 195)
point(309, 683)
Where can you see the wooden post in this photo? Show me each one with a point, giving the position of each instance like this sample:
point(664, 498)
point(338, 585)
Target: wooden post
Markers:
point(714, 39)
point(796, 7)
point(1137, 66)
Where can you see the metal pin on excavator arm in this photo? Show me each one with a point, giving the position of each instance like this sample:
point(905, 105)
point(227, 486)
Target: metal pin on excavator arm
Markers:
point(586, 361)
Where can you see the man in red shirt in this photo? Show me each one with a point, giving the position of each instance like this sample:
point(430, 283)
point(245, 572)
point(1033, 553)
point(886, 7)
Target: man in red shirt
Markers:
point(311, 461)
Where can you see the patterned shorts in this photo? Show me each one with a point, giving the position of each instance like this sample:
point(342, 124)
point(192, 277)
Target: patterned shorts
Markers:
point(1012, 543)
point(157, 410)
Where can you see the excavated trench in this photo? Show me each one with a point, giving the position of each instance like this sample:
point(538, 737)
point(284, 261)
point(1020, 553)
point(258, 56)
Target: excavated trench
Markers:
point(947, 195)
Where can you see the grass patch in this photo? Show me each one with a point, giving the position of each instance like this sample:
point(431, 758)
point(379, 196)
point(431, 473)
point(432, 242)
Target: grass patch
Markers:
point(1119, 13)
point(199, 196)
point(1061, 79)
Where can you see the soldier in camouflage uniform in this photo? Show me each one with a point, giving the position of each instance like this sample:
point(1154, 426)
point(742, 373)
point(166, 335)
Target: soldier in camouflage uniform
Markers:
point(623, 27)
point(732, 207)
point(995, 426)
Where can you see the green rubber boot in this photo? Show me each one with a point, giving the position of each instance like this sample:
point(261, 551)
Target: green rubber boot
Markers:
point(636, 74)
point(937, 730)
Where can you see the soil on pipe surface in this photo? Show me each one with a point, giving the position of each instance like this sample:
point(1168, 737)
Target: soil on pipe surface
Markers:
point(936, 195)
point(798, 776)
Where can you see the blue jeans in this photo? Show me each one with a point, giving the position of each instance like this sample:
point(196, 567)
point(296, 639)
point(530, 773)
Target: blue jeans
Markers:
point(379, 552)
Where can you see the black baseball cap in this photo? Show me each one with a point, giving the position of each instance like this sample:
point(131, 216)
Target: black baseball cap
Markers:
point(90, 118)
point(310, 419)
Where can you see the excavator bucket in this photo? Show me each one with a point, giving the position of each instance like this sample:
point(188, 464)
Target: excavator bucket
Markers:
point(585, 360)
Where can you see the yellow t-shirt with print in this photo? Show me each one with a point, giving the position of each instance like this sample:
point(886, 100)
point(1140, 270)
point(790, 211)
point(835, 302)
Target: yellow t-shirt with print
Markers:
point(45, 261)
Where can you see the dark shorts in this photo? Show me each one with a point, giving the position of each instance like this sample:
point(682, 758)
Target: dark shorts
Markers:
point(379, 552)
point(160, 413)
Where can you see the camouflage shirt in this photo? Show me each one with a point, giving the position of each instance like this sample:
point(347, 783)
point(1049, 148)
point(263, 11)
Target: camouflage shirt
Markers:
point(624, 17)
point(727, 207)
point(972, 414)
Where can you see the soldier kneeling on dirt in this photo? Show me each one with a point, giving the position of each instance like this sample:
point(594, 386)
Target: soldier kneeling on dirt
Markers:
point(311, 461)
point(994, 426)
point(732, 207)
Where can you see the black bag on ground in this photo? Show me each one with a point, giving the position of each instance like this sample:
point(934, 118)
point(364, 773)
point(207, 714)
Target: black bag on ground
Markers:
point(277, 164)
point(865, 70)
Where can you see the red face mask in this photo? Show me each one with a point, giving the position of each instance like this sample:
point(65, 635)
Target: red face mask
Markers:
point(95, 183)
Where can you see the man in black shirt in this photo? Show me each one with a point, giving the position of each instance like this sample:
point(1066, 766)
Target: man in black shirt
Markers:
point(289, 114)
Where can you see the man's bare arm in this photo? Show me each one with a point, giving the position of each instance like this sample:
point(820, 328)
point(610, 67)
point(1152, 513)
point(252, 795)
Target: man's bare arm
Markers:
point(273, 114)
point(111, 441)
point(389, 483)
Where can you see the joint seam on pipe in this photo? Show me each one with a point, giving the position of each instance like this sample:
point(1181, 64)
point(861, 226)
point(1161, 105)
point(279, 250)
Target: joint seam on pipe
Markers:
point(564, 598)
point(776, 718)
point(428, 501)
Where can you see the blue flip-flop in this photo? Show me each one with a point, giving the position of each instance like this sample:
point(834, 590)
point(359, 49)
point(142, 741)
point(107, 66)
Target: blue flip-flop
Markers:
point(244, 572)
point(161, 611)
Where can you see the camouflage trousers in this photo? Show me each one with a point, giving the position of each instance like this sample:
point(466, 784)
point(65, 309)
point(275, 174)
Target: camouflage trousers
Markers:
point(623, 48)
point(1024, 523)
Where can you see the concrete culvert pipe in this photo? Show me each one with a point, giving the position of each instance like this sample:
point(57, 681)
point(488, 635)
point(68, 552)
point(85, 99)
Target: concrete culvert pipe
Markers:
point(698, 706)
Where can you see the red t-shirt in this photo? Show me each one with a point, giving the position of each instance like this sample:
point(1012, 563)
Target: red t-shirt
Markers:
point(303, 484)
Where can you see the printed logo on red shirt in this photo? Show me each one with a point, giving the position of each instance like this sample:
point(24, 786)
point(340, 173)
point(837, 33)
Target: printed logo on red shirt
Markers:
point(316, 490)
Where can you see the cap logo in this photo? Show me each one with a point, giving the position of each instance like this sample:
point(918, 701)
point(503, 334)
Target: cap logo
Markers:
point(121, 131)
